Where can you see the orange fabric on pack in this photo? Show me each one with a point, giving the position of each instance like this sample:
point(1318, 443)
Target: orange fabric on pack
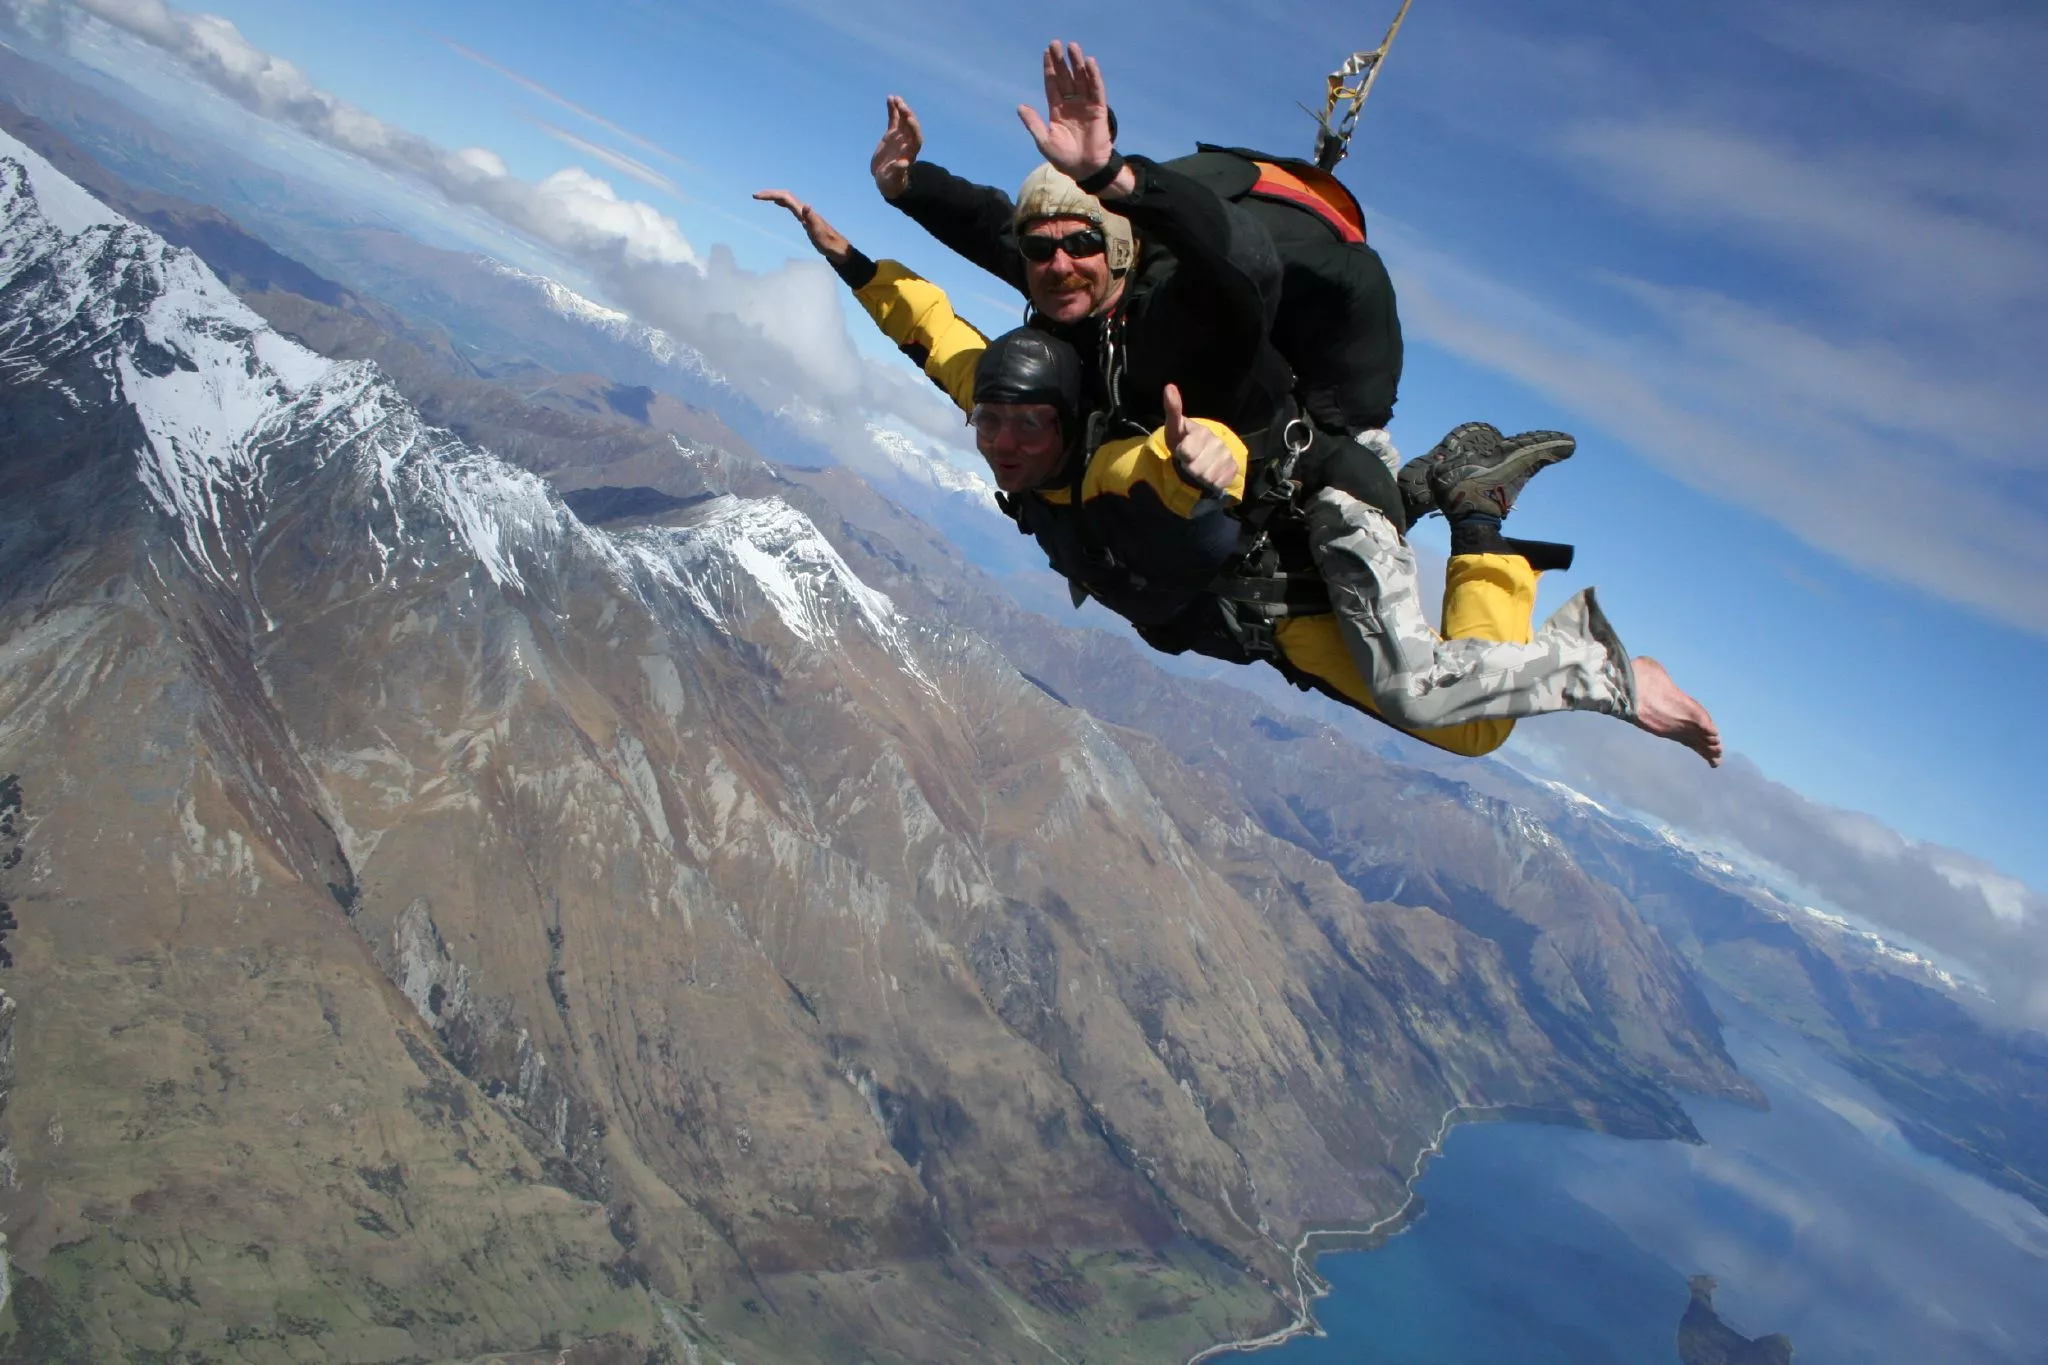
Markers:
point(1319, 192)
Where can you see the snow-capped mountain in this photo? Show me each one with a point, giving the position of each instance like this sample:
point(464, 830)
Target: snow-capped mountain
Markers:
point(922, 462)
point(658, 346)
point(1769, 888)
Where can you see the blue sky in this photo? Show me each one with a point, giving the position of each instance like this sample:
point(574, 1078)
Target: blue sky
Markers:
point(1779, 267)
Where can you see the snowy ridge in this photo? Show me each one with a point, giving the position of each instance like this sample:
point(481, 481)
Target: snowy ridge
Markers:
point(921, 464)
point(63, 204)
point(203, 375)
point(223, 386)
point(426, 484)
point(1788, 900)
point(567, 303)
point(781, 555)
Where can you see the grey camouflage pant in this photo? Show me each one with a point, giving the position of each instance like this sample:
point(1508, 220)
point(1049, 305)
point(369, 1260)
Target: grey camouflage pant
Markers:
point(1421, 680)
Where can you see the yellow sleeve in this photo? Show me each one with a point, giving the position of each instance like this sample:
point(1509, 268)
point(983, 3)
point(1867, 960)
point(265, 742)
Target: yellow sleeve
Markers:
point(1123, 464)
point(916, 315)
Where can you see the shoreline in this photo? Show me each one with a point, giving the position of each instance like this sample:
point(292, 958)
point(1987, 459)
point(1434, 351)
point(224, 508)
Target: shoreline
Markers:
point(1309, 1286)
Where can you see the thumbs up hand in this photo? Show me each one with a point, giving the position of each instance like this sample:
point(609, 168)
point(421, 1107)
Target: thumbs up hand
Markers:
point(1202, 457)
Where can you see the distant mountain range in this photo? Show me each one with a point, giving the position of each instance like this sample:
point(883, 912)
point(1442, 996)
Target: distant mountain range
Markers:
point(503, 864)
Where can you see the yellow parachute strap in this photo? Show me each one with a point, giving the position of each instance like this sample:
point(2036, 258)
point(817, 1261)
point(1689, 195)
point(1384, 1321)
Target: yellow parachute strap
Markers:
point(1349, 85)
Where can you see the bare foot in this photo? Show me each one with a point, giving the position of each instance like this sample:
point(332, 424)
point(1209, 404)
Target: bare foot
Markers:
point(1668, 713)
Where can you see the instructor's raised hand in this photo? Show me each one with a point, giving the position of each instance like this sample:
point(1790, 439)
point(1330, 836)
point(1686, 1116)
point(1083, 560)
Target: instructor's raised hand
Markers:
point(1074, 136)
point(897, 152)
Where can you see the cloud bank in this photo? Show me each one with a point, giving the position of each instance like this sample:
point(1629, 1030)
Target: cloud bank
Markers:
point(780, 336)
point(1994, 925)
point(571, 210)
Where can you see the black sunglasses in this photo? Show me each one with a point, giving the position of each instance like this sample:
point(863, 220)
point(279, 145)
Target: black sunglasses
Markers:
point(1039, 247)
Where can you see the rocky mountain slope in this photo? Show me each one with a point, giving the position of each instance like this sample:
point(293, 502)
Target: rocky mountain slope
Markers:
point(449, 928)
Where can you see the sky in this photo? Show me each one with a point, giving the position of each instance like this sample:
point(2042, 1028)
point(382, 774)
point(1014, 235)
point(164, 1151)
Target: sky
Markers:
point(1779, 267)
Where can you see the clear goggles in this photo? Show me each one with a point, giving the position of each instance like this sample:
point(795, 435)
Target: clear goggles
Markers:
point(993, 420)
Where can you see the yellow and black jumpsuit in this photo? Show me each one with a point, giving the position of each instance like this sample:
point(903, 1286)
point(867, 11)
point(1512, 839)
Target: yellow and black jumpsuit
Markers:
point(1147, 544)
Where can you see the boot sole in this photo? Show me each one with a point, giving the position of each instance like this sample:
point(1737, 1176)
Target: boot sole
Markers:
point(1521, 463)
point(1423, 501)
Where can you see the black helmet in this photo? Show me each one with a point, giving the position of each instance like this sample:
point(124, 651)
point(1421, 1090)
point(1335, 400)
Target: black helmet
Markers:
point(1028, 366)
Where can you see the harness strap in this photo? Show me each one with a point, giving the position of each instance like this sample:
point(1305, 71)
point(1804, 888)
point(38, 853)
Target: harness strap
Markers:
point(1252, 632)
point(1296, 594)
point(1256, 587)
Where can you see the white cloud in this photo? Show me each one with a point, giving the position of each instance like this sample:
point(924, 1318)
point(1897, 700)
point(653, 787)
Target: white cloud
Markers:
point(618, 161)
point(2011, 901)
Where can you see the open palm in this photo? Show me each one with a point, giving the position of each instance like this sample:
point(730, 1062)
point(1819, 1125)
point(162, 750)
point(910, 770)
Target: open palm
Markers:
point(894, 155)
point(1074, 136)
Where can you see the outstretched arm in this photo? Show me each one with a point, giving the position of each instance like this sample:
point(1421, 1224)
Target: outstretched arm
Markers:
point(911, 311)
point(972, 220)
point(830, 242)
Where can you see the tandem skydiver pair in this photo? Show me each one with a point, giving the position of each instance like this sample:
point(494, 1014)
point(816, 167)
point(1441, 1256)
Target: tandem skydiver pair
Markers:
point(1192, 425)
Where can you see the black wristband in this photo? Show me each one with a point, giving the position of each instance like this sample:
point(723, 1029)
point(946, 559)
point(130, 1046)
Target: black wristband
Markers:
point(1098, 182)
point(857, 270)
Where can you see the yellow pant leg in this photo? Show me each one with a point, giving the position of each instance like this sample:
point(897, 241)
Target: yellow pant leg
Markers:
point(1490, 597)
point(1486, 597)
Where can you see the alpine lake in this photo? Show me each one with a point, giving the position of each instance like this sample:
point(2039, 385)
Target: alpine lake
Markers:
point(1816, 1219)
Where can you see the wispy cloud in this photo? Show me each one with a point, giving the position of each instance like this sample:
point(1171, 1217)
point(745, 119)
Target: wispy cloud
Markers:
point(1775, 418)
point(1790, 255)
point(618, 161)
point(1982, 61)
point(570, 210)
point(904, 35)
point(1893, 242)
point(533, 86)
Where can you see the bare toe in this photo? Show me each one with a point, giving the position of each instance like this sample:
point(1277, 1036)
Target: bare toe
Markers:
point(1666, 711)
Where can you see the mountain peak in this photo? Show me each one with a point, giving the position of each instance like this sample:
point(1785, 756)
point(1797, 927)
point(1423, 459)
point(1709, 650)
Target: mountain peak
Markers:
point(734, 548)
point(59, 199)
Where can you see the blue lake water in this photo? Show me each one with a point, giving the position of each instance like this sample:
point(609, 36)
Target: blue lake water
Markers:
point(1544, 1245)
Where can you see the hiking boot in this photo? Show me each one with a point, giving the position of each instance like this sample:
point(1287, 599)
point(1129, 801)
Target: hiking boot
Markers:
point(1487, 480)
point(1463, 443)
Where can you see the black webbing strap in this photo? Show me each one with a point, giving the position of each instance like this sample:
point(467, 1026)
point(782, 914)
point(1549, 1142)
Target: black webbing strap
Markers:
point(1302, 594)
